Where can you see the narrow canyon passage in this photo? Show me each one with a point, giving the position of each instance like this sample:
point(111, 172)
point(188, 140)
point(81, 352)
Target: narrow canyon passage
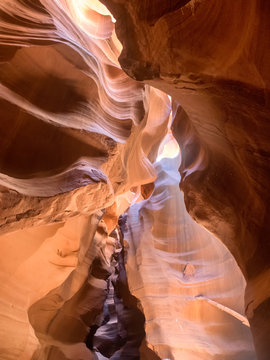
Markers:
point(134, 180)
point(190, 287)
point(122, 332)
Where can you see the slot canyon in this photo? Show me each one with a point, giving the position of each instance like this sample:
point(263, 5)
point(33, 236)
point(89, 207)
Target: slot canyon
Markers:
point(135, 179)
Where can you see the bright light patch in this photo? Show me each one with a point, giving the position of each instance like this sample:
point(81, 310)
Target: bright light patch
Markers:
point(81, 9)
point(97, 6)
point(169, 148)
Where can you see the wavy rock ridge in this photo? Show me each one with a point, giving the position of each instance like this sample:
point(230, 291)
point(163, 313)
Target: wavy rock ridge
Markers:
point(83, 141)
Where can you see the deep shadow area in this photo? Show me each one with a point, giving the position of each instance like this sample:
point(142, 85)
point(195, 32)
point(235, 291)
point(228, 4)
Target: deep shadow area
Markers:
point(30, 147)
point(123, 339)
point(48, 92)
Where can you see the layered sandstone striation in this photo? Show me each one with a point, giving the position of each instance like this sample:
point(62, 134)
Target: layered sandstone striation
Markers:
point(190, 287)
point(83, 142)
point(73, 125)
point(213, 59)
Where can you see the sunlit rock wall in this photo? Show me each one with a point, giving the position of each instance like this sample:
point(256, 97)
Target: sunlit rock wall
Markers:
point(190, 287)
point(77, 136)
point(213, 59)
point(81, 142)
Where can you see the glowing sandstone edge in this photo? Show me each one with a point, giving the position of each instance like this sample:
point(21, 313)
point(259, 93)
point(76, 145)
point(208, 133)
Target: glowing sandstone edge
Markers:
point(62, 85)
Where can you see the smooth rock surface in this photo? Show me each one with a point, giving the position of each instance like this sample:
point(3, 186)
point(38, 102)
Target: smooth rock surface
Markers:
point(83, 142)
point(214, 62)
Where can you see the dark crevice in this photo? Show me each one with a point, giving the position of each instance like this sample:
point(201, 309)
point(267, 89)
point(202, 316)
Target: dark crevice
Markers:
point(121, 335)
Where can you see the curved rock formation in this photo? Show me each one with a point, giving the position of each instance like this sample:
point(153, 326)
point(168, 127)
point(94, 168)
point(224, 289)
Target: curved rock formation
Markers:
point(81, 143)
point(190, 287)
point(214, 61)
point(72, 127)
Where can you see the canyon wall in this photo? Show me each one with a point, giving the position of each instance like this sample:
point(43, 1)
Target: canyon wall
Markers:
point(83, 142)
point(213, 59)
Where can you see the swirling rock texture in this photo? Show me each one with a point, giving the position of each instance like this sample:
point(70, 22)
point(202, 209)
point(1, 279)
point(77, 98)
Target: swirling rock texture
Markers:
point(83, 142)
point(213, 59)
point(200, 318)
